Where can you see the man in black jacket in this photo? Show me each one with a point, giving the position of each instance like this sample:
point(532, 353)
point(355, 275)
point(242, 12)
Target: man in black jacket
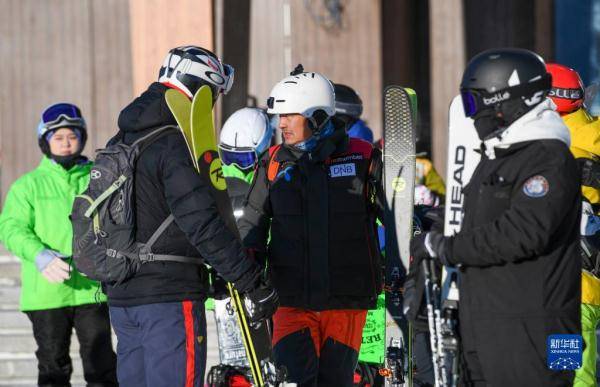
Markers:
point(517, 249)
point(313, 194)
point(158, 314)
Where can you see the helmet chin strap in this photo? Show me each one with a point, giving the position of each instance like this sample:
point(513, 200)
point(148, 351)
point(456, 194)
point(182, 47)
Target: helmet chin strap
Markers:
point(313, 121)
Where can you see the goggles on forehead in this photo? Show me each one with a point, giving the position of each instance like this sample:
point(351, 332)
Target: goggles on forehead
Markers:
point(60, 115)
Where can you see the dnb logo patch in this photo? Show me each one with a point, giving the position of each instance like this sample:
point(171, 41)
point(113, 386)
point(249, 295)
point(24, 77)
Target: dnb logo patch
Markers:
point(536, 186)
point(564, 352)
point(339, 170)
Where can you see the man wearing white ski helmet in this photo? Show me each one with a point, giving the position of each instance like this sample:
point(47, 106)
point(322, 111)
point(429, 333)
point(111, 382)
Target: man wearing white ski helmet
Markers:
point(158, 311)
point(187, 68)
point(304, 103)
point(315, 195)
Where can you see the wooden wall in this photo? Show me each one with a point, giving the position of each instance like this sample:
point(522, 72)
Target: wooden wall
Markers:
point(96, 54)
point(447, 49)
point(159, 25)
point(284, 33)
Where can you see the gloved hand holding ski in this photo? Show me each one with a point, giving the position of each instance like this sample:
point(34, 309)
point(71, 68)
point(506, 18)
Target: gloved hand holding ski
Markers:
point(261, 302)
point(430, 245)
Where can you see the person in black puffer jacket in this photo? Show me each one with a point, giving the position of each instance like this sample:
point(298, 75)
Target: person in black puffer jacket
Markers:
point(517, 250)
point(158, 314)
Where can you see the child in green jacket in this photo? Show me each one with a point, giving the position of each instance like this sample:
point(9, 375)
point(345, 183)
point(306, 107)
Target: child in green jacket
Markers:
point(35, 226)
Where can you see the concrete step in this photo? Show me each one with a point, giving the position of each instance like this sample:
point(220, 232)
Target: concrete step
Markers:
point(10, 267)
point(10, 294)
point(17, 340)
point(12, 317)
point(20, 340)
point(32, 382)
point(23, 366)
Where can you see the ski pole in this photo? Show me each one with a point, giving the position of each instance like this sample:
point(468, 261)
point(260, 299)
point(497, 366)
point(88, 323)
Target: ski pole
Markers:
point(433, 334)
point(441, 356)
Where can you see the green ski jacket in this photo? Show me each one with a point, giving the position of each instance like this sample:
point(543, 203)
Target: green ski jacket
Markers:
point(36, 217)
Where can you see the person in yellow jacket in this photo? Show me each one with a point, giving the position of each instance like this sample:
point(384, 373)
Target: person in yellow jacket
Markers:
point(567, 94)
point(425, 174)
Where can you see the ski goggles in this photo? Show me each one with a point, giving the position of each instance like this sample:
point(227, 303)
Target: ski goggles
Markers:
point(60, 115)
point(573, 94)
point(475, 100)
point(243, 158)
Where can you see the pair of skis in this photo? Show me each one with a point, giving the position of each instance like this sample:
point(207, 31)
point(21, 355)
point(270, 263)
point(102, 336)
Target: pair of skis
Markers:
point(442, 302)
point(399, 174)
point(461, 163)
point(398, 181)
point(195, 120)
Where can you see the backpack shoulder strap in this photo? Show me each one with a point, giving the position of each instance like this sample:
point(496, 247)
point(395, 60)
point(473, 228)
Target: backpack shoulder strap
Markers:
point(143, 142)
point(273, 165)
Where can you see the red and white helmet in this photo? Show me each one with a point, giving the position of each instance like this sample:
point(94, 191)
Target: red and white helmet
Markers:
point(567, 88)
point(187, 68)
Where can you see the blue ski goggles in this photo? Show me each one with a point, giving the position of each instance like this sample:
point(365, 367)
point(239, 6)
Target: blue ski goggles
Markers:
point(60, 115)
point(240, 157)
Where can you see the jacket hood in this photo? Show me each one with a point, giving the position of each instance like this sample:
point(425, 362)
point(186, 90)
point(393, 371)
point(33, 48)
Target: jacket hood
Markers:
point(540, 123)
point(585, 131)
point(149, 110)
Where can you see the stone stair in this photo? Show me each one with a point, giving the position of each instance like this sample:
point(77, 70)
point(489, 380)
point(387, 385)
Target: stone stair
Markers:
point(18, 365)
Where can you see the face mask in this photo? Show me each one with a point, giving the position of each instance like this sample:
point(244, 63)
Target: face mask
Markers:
point(487, 123)
point(67, 162)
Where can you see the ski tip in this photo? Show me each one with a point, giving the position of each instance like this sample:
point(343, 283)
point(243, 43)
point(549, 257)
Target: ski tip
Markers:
point(173, 95)
point(204, 92)
point(410, 91)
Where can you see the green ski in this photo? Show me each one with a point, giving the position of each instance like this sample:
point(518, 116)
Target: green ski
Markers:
point(399, 178)
point(196, 122)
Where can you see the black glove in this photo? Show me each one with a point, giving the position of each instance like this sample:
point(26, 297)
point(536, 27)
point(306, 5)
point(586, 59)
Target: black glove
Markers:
point(218, 286)
point(429, 245)
point(434, 218)
point(261, 302)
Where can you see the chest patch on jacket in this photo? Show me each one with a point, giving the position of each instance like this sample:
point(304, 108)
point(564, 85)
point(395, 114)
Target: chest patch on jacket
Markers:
point(536, 186)
point(340, 170)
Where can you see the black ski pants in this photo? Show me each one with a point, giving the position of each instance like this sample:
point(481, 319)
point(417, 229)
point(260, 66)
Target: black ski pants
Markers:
point(52, 329)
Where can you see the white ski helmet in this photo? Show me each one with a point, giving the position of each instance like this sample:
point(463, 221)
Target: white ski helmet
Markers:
point(247, 133)
point(309, 94)
point(189, 67)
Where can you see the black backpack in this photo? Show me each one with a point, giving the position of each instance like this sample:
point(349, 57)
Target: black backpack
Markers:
point(103, 217)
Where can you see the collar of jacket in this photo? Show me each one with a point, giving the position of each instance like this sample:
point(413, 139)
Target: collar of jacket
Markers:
point(585, 131)
point(336, 143)
point(51, 166)
point(149, 110)
point(540, 123)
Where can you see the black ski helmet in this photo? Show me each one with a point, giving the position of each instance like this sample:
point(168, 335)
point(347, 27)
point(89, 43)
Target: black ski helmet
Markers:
point(347, 101)
point(508, 81)
point(187, 68)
